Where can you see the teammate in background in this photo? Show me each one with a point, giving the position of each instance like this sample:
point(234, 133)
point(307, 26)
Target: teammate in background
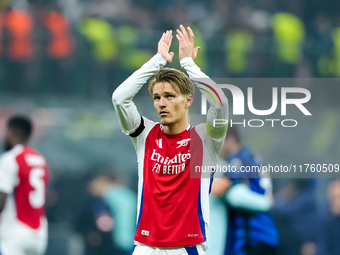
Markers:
point(252, 230)
point(173, 208)
point(23, 183)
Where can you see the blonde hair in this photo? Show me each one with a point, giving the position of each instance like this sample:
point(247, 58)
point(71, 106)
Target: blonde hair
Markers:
point(176, 78)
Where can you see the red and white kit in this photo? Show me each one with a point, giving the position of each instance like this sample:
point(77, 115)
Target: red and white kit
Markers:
point(23, 225)
point(173, 207)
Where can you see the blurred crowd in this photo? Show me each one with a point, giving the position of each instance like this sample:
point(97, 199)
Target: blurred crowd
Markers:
point(92, 45)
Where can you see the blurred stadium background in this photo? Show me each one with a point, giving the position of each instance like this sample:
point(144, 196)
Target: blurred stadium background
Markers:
point(60, 61)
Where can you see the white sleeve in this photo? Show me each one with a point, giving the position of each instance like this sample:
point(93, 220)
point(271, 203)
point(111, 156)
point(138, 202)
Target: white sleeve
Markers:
point(127, 113)
point(218, 102)
point(239, 196)
point(8, 174)
point(218, 109)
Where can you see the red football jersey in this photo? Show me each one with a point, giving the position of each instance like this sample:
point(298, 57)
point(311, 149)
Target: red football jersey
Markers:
point(173, 207)
point(24, 177)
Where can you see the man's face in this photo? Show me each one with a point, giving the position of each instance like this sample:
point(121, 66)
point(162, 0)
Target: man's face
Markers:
point(171, 105)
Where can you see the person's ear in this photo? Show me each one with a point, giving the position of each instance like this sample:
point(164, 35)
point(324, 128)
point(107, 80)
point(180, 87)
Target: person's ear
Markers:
point(188, 101)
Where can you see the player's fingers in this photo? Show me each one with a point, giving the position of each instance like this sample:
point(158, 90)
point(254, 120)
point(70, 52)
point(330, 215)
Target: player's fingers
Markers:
point(170, 41)
point(180, 33)
point(184, 40)
point(178, 38)
point(162, 38)
point(184, 31)
point(165, 36)
point(191, 34)
point(169, 37)
point(196, 49)
point(171, 54)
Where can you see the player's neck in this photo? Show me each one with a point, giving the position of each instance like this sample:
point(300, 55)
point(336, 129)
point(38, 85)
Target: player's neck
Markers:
point(176, 128)
point(24, 143)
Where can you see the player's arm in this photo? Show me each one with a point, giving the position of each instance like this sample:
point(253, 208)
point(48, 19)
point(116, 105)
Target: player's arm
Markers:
point(220, 186)
point(7, 178)
point(127, 113)
point(239, 196)
point(218, 111)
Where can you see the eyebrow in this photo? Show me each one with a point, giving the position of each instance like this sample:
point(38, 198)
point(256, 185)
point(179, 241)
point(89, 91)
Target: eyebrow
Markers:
point(166, 93)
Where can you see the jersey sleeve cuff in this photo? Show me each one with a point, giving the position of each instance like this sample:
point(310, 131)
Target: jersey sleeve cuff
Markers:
point(160, 60)
point(188, 61)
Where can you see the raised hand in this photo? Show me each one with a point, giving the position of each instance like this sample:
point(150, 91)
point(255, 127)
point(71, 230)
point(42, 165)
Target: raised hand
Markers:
point(186, 43)
point(164, 46)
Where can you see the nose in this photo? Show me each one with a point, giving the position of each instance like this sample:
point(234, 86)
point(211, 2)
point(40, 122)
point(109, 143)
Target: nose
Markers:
point(162, 102)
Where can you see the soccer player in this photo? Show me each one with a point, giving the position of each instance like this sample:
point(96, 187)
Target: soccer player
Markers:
point(251, 228)
point(173, 207)
point(23, 182)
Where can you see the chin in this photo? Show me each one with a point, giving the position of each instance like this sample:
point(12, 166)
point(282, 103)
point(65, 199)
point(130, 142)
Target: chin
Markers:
point(165, 122)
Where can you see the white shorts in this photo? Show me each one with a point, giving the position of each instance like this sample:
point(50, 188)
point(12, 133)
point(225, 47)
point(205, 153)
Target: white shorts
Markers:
point(22, 246)
point(148, 250)
point(17, 238)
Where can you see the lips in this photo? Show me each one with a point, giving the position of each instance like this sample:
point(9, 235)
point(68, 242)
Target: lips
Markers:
point(163, 113)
